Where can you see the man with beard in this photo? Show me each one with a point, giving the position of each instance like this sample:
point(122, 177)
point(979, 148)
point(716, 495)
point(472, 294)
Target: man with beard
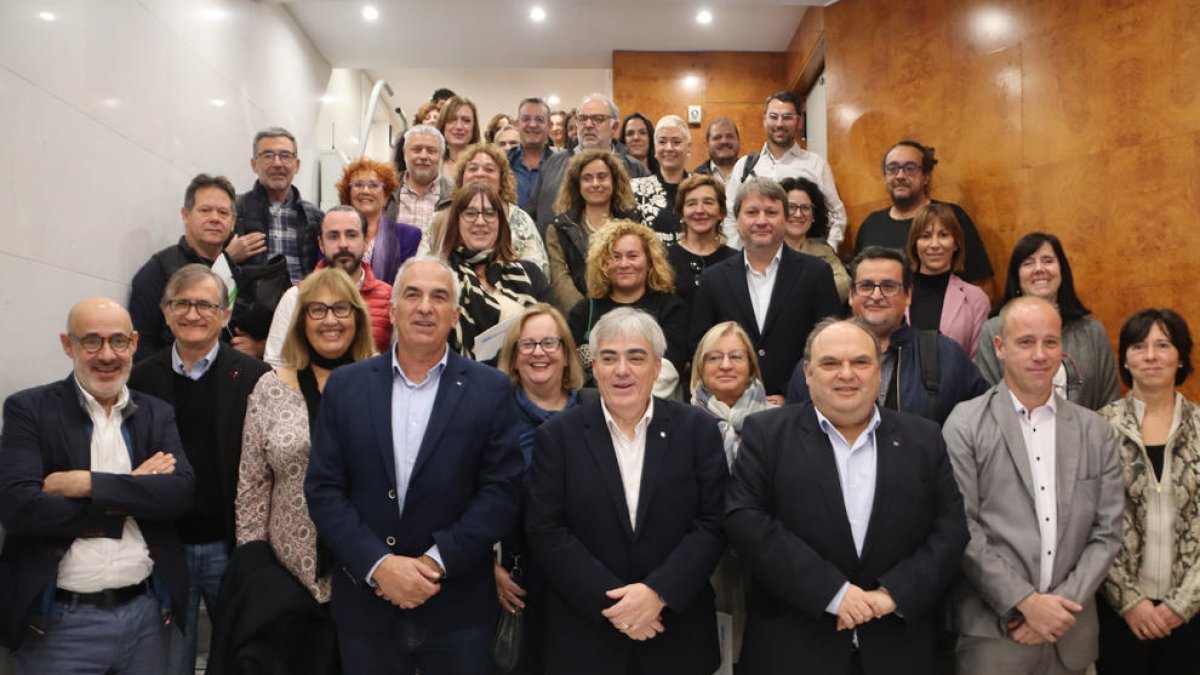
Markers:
point(91, 479)
point(782, 157)
point(907, 172)
point(724, 144)
point(342, 242)
point(421, 183)
point(272, 219)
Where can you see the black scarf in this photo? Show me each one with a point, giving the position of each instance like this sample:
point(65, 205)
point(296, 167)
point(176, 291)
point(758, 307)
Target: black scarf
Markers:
point(481, 308)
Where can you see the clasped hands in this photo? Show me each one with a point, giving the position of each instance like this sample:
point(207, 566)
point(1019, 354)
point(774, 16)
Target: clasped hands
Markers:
point(78, 483)
point(1044, 618)
point(407, 582)
point(859, 606)
point(637, 613)
point(1149, 621)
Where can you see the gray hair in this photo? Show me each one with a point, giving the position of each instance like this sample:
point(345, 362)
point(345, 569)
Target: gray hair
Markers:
point(831, 321)
point(272, 132)
point(190, 275)
point(673, 122)
point(537, 100)
point(628, 322)
point(426, 130)
point(612, 107)
point(455, 284)
point(765, 187)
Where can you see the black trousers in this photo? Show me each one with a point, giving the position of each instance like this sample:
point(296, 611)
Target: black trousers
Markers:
point(1121, 653)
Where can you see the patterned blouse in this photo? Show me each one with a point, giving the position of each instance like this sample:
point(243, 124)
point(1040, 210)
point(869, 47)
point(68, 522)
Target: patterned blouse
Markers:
point(270, 503)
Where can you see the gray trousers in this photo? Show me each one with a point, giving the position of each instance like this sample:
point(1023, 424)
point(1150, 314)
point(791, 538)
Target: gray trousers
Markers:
point(995, 656)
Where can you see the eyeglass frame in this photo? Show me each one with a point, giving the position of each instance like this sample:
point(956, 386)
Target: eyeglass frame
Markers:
point(883, 286)
point(326, 309)
point(104, 339)
point(910, 169)
point(528, 346)
point(204, 308)
point(269, 156)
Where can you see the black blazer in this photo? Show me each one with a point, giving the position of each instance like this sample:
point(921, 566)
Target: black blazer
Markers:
point(804, 294)
point(236, 374)
point(786, 518)
point(46, 429)
point(577, 524)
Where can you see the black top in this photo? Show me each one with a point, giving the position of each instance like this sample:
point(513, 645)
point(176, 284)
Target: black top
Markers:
point(1156, 458)
point(880, 229)
point(929, 292)
point(668, 310)
point(688, 267)
point(195, 408)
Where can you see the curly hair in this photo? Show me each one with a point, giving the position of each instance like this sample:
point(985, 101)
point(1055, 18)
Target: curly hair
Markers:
point(660, 275)
point(424, 110)
point(508, 180)
point(385, 172)
point(570, 196)
point(503, 250)
point(820, 213)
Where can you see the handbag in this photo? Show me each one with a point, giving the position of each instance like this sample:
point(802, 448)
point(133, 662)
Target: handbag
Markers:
point(510, 632)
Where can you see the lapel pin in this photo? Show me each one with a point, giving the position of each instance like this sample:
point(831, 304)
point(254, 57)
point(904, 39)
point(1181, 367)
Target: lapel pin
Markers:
point(458, 382)
point(234, 374)
point(662, 434)
point(896, 443)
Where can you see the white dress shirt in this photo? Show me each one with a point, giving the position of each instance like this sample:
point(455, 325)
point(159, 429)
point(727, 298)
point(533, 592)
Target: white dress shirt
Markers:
point(761, 285)
point(1037, 429)
point(94, 564)
point(631, 455)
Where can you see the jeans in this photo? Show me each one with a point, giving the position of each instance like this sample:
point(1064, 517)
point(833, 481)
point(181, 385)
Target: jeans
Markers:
point(410, 647)
point(129, 639)
point(206, 564)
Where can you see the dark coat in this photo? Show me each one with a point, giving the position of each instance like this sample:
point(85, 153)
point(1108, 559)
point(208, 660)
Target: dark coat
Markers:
point(254, 215)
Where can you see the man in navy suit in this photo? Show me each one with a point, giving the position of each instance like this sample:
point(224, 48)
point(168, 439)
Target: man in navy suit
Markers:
point(849, 519)
point(414, 474)
point(92, 477)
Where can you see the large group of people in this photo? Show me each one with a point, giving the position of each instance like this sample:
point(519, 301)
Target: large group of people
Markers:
point(540, 399)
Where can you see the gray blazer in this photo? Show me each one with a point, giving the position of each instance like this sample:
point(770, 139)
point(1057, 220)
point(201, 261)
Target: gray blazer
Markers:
point(1000, 566)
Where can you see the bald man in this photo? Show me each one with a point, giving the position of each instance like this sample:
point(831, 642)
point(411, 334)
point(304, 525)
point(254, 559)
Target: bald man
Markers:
point(91, 480)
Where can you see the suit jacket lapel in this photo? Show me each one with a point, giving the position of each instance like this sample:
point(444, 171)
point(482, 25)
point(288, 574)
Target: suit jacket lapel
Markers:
point(1010, 429)
point(657, 439)
point(379, 397)
point(785, 276)
point(450, 391)
point(741, 296)
point(1066, 461)
point(819, 454)
point(888, 454)
point(76, 433)
point(599, 444)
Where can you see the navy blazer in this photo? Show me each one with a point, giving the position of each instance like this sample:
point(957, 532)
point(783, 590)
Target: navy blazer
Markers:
point(577, 524)
point(804, 294)
point(463, 494)
point(787, 520)
point(47, 429)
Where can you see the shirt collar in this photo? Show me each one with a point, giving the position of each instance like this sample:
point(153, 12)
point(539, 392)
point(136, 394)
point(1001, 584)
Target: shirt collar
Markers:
point(828, 428)
point(1050, 403)
point(435, 371)
point(771, 265)
point(202, 365)
point(90, 405)
point(612, 425)
point(795, 151)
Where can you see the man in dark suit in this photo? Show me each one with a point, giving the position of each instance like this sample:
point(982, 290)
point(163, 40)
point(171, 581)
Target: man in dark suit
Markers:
point(624, 518)
point(414, 475)
point(849, 520)
point(207, 382)
point(91, 480)
point(775, 293)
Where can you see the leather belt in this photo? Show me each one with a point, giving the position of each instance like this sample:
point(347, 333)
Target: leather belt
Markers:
point(106, 599)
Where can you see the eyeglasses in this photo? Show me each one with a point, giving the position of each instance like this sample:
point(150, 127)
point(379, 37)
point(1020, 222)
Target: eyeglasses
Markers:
point(270, 156)
point(910, 169)
point(526, 119)
point(367, 185)
point(736, 357)
point(782, 117)
point(887, 289)
point(318, 310)
point(93, 343)
point(793, 208)
point(181, 308)
point(594, 119)
point(473, 215)
point(549, 345)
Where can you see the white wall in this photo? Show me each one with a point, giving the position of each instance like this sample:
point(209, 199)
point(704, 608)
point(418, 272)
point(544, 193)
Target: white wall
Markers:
point(108, 111)
point(816, 125)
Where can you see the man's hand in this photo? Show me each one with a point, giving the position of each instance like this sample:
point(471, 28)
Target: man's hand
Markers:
point(881, 602)
point(1050, 616)
point(1020, 632)
point(406, 582)
point(246, 246)
point(248, 345)
point(77, 484)
point(777, 399)
point(508, 591)
point(159, 462)
point(855, 609)
point(637, 612)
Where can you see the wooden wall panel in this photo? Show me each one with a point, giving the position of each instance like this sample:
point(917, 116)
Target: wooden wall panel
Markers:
point(1077, 118)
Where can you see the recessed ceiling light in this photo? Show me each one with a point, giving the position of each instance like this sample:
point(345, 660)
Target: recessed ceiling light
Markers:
point(370, 13)
point(704, 17)
point(691, 82)
point(552, 99)
point(217, 102)
point(46, 16)
point(537, 14)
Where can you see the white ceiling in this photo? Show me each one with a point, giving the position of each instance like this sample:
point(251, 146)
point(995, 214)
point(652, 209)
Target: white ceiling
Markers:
point(500, 34)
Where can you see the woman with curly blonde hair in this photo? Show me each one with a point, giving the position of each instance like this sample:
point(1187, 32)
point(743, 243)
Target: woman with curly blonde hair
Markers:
point(366, 185)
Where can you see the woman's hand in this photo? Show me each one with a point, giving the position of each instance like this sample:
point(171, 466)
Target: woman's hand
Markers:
point(1145, 622)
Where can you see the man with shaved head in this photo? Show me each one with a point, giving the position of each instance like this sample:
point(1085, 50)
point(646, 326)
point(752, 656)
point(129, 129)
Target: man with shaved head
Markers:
point(91, 480)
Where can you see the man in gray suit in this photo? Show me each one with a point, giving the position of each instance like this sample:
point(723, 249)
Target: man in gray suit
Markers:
point(1041, 483)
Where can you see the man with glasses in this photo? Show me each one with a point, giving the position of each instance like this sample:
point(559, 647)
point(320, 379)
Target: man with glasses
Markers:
point(272, 219)
point(923, 373)
point(207, 383)
point(342, 242)
point(597, 121)
point(782, 157)
point(91, 480)
point(533, 121)
point(907, 173)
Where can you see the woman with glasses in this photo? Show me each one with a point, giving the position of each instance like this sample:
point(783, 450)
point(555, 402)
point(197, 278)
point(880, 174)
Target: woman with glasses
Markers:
point(595, 189)
point(539, 356)
point(459, 124)
point(366, 185)
point(700, 206)
point(636, 134)
point(1088, 373)
point(807, 228)
point(941, 300)
point(495, 284)
point(1152, 592)
point(330, 328)
point(655, 194)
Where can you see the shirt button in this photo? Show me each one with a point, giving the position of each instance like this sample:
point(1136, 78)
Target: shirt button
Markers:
point(762, 352)
point(391, 541)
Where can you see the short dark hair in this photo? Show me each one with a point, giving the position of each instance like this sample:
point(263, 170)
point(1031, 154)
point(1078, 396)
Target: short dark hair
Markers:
point(1069, 305)
point(538, 100)
point(820, 224)
point(1138, 326)
point(202, 181)
point(441, 94)
point(785, 97)
point(883, 253)
point(342, 208)
point(721, 120)
point(928, 161)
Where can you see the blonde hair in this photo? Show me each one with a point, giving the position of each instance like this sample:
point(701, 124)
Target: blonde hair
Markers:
point(659, 277)
point(508, 180)
point(297, 351)
point(572, 370)
point(710, 338)
point(570, 196)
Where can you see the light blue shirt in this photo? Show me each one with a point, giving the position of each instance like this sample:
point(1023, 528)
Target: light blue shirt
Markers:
point(856, 466)
point(199, 368)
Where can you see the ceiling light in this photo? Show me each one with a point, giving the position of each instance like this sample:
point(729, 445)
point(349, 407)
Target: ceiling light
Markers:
point(46, 16)
point(552, 99)
point(691, 82)
point(370, 13)
point(704, 17)
point(537, 14)
point(217, 102)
